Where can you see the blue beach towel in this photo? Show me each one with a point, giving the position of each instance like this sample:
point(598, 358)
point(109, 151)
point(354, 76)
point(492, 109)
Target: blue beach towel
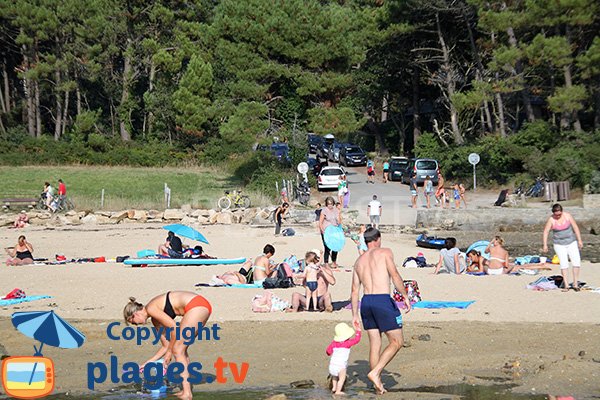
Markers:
point(443, 304)
point(10, 302)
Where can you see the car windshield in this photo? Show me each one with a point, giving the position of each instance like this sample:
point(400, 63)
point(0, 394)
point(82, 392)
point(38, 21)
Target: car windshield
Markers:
point(315, 139)
point(426, 164)
point(279, 146)
point(398, 163)
point(332, 171)
point(353, 150)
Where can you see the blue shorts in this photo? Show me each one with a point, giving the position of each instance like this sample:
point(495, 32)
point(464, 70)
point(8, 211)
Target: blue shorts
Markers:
point(174, 254)
point(379, 311)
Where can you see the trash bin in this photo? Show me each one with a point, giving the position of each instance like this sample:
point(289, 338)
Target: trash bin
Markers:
point(564, 190)
point(550, 191)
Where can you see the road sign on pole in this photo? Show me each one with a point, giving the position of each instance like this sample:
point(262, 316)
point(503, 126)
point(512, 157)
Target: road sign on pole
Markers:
point(474, 159)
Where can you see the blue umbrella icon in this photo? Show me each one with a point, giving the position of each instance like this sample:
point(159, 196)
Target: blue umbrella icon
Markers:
point(48, 328)
point(186, 231)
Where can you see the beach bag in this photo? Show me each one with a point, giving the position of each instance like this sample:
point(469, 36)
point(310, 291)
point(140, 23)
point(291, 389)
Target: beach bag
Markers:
point(15, 294)
point(288, 232)
point(293, 263)
point(412, 290)
point(268, 302)
point(282, 280)
point(415, 262)
point(262, 302)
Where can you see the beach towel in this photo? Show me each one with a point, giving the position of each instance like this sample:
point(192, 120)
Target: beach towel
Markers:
point(9, 302)
point(443, 304)
point(213, 283)
point(431, 304)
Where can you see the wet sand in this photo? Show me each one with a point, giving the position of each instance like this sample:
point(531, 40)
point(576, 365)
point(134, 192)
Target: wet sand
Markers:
point(531, 339)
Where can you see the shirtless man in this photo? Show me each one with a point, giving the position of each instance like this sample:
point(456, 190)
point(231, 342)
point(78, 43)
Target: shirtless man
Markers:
point(373, 271)
point(324, 279)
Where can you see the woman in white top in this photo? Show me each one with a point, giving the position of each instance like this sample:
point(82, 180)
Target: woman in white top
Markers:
point(498, 262)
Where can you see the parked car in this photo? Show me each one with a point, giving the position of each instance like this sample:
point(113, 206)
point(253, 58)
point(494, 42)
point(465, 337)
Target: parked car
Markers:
point(397, 167)
point(351, 155)
point(334, 151)
point(281, 151)
point(323, 149)
point(314, 141)
point(330, 177)
point(423, 167)
point(314, 167)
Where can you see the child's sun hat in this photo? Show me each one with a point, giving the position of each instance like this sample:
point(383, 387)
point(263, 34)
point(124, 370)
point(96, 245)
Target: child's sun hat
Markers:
point(343, 332)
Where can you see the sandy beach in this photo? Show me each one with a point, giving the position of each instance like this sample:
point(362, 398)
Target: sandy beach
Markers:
point(542, 342)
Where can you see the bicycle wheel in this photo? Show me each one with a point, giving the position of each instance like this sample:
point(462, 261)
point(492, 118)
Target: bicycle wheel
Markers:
point(68, 205)
point(224, 203)
point(245, 201)
point(41, 204)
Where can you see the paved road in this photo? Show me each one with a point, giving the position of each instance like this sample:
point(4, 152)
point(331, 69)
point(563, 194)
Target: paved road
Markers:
point(394, 198)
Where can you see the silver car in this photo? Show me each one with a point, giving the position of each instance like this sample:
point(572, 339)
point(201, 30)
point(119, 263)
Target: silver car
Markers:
point(423, 167)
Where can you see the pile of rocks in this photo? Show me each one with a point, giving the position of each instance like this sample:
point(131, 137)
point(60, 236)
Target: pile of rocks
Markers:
point(184, 215)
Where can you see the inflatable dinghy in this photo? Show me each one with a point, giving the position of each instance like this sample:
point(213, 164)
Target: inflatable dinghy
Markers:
point(183, 261)
point(431, 242)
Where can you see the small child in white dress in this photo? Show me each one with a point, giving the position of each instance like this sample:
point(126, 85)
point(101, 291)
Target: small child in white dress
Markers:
point(311, 270)
point(339, 350)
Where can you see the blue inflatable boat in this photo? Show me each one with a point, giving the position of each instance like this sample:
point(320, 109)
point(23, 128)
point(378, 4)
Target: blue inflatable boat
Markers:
point(431, 242)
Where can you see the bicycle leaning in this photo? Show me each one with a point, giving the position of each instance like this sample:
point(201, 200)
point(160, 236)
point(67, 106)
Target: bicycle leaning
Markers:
point(58, 204)
point(234, 199)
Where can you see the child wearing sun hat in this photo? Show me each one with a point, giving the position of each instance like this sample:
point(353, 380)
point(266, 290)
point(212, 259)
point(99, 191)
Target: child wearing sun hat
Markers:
point(339, 350)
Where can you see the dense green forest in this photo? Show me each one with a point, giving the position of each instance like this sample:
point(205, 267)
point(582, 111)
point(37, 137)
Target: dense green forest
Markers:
point(152, 83)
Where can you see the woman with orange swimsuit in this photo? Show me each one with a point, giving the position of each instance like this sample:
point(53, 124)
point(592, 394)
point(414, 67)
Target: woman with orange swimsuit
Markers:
point(162, 311)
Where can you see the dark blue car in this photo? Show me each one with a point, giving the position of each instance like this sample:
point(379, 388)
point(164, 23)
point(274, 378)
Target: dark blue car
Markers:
point(281, 151)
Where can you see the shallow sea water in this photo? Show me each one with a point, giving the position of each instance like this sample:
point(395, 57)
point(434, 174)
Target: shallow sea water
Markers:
point(465, 391)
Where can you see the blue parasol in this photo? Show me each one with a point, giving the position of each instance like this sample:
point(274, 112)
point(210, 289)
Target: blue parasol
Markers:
point(334, 237)
point(480, 246)
point(48, 328)
point(186, 231)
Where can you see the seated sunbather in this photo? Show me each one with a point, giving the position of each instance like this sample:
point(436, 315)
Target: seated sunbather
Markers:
point(21, 254)
point(498, 262)
point(172, 247)
point(262, 267)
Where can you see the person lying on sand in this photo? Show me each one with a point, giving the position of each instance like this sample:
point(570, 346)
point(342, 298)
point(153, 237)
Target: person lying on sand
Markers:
point(162, 311)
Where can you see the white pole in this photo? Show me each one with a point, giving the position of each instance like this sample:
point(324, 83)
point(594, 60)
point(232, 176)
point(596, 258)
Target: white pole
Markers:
point(102, 199)
point(474, 179)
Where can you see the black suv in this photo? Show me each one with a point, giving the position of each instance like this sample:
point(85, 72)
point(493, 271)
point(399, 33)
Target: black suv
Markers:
point(397, 167)
point(314, 141)
point(351, 155)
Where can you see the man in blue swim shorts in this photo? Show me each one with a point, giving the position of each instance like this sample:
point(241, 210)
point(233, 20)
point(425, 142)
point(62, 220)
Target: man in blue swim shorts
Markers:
point(373, 271)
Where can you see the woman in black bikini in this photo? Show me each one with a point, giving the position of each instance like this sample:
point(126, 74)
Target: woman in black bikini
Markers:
point(162, 311)
point(21, 254)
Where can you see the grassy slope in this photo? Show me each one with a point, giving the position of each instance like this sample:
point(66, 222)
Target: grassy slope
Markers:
point(125, 187)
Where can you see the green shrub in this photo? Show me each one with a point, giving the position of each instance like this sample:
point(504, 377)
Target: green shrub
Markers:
point(595, 183)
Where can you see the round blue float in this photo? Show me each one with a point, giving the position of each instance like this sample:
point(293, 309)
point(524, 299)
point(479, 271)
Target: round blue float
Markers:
point(334, 237)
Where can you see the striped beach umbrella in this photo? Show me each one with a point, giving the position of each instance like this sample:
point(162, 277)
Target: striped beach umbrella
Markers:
point(48, 328)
